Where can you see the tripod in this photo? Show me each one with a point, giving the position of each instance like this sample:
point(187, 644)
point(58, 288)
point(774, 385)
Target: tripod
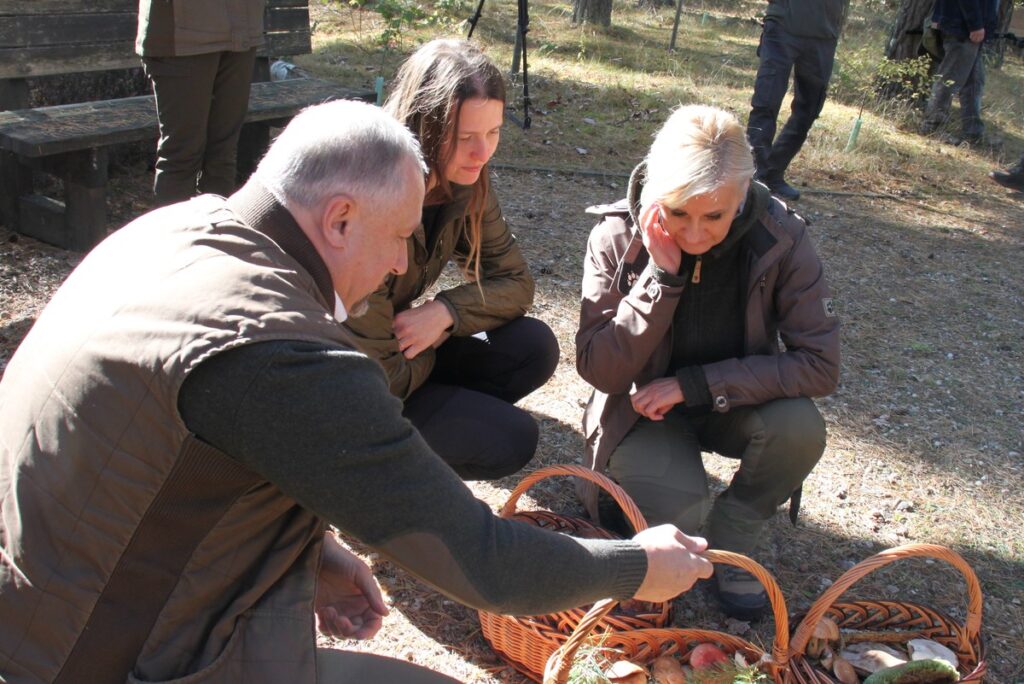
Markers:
point(522, 26)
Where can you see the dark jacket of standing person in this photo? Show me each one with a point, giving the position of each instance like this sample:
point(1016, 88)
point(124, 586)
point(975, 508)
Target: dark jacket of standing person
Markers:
point(959, 18)
point(809, 18)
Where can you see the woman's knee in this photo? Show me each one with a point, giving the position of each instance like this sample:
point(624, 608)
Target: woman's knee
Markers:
point(796, 430)
point(539, 347)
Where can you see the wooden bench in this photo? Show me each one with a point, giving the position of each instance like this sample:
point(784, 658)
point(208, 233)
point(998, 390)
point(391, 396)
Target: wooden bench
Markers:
point(72, 141)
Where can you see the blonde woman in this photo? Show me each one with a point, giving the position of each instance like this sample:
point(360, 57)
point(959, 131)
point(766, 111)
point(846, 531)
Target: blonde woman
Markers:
point(461, 359)
point(689, 284)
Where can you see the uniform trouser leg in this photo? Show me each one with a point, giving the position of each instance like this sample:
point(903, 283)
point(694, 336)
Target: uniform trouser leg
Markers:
point(957, 64)
point(465, 410)
point(349, 667)
point(777, 443)
point(812, 70)
point(777, 55)
point(227, 114)
point(188, 107)
point(659, 465)
point(970, 99)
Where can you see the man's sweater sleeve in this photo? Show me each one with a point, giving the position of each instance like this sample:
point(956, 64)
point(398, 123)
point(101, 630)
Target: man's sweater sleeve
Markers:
point(321, 425)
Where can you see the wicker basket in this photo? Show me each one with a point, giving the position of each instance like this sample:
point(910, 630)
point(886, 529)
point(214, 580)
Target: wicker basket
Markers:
point(894, 621)
point(527, 642)
point(644, 645)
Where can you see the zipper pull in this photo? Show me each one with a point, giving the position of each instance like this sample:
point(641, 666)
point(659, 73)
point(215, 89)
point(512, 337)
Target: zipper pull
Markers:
point(696, 271)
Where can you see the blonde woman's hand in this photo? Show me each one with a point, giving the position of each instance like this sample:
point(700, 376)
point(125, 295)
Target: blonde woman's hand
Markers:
point(664, 251)
point(656, 398)
point(422, 327)
point(348, 602)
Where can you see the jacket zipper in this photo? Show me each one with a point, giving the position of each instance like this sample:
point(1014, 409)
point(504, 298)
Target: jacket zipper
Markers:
point(696, 271)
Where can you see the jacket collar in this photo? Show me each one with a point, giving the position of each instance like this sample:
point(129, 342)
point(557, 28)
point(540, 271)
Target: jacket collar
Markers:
point(450, 211)
point(261, 210)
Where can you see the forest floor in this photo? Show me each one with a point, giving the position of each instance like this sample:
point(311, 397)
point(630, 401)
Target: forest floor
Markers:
point(924, 255)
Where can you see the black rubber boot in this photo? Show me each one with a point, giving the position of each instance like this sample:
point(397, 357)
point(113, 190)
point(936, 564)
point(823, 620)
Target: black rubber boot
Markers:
point(1012, 177)
point(739, 593)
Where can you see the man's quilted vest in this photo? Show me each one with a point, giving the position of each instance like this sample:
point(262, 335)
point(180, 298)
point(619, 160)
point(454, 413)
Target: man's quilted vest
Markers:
point(129, 550)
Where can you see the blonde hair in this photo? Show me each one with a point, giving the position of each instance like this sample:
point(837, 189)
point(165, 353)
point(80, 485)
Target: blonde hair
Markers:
point(697, 151)
point(429, 90)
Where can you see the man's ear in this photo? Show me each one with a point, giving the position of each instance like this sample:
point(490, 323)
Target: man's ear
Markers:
point(335, 218)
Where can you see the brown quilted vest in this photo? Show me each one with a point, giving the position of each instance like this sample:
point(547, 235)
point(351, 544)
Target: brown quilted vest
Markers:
point(129, 550)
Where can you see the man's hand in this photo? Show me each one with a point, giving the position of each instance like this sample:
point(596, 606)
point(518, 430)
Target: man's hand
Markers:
point(977, 36)
point(348, 603)
point(664, 251)
point(673, 565)
point(422, 327)
point(656, 398)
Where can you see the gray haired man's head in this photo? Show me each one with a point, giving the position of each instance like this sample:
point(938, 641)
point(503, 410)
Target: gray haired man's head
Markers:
point(340, 147)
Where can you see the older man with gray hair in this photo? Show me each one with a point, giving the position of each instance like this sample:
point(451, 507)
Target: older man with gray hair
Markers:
point(187, 416)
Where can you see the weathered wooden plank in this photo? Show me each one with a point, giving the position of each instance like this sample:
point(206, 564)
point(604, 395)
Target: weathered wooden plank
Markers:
point(287, 44)
point(67, 59)
point(42, 217)
point(63, 29)
point(12, 7)
point(64, 128)
point(287, 19)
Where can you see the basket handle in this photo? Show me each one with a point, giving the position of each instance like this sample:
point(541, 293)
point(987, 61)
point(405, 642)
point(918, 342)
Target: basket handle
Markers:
point(560, 662)
point(974, 603)
point(633, 514)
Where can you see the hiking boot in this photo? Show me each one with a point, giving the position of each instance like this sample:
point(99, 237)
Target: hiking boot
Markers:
point(1012, 177)
point(783, 190)
point(739, 593)
point(927, 127)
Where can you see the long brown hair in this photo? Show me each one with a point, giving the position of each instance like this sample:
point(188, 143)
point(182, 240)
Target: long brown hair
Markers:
point(427, 96)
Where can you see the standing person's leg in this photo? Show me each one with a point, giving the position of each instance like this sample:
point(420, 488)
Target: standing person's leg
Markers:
point(957, 64)
point(770, 88)
point(778, 443)
point(659, 465)
point(183, 87)
point(508, 362)
point(812, 70)
point(227, 112)
point(971, 125)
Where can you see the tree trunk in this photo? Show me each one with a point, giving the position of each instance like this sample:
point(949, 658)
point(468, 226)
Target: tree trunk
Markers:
point(905, 39)
point(998, 47)
point(592, 12)
point(655, 4)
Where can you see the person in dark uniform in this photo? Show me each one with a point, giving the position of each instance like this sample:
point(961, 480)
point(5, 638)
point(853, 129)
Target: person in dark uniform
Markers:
point(799, 37)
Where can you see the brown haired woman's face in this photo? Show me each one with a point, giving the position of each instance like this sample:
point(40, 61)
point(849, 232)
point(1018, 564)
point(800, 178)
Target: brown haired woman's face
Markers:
point(475, 140)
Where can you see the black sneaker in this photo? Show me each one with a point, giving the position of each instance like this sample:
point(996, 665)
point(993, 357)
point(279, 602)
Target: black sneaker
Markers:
point(739, 593)
point(783, 190)
point(1012, 177)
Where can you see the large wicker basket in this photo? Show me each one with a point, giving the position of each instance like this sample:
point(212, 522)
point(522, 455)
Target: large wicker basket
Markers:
point(894, 621)
point(527, 642)
point(644, 645)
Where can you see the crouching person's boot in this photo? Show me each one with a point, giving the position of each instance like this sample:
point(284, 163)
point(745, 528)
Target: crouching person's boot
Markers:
point(740, 594)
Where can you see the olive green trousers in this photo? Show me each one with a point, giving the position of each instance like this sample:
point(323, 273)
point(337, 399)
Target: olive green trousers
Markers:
point(659, 464)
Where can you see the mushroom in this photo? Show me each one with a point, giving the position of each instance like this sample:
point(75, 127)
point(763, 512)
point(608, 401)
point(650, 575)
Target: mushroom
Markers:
point(824, 632)
point(844, 671)
point(625, 672)
point(926, 649)
point(869, 657)
point(667, 670)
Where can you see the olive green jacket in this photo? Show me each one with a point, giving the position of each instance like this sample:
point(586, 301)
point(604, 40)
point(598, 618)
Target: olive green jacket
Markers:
point(505, 290)
point(176, 28)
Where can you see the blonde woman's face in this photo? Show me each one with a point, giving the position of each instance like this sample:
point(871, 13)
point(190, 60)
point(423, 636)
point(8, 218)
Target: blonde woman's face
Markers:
point(475, 140)
point(704, 220)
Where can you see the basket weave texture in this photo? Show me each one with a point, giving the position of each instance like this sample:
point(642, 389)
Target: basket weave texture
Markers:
point(643, 646)
point(526, 642)
point(894, 621)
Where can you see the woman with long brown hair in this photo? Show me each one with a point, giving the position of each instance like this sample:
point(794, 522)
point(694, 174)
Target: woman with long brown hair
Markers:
point(463, 357)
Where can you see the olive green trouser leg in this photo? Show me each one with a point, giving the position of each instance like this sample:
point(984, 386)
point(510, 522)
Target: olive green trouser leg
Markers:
point(777, 444)
point(349, 667)
point(201, 103)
